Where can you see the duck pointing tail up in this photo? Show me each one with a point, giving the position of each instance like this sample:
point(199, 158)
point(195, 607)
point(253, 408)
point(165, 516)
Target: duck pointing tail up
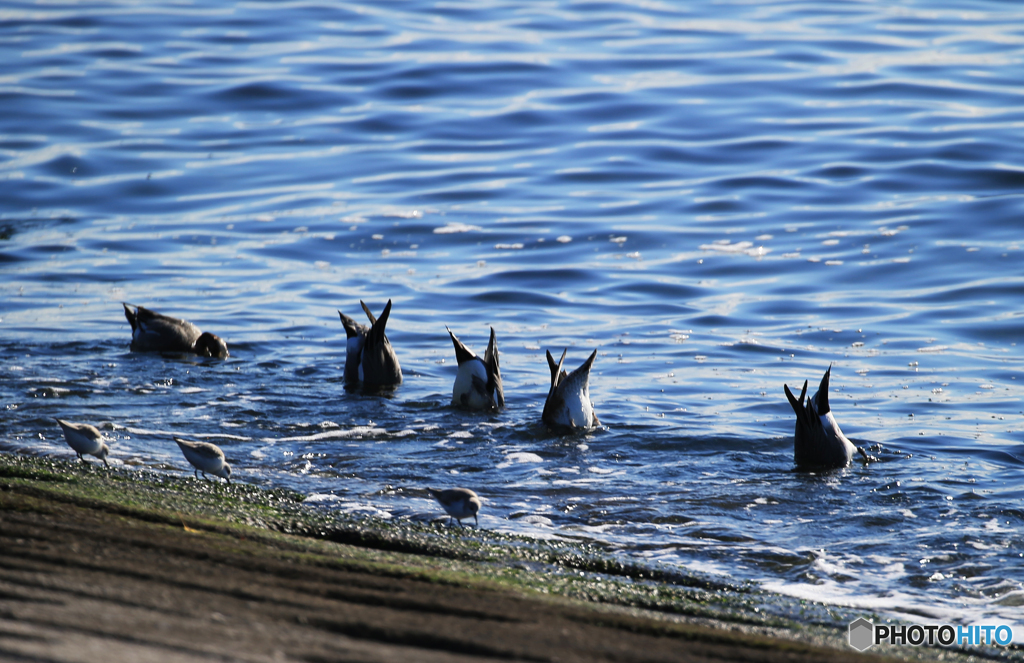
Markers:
point(478, 382)
point(568, 404)
point(369, 358)
point(818, 442)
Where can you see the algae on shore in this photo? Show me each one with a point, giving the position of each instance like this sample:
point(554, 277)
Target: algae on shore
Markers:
point(240, 528)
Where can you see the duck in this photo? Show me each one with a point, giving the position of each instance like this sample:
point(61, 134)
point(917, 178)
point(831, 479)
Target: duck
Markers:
point(155, 332)
point(568, 404)
point(478, 382)
point(205, 457)
point(369, 357)
point(818, 442)
point(458, 503)
point(85, 439)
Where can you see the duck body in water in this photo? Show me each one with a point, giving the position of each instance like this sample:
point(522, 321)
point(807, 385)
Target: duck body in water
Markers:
point(818, 441)
point(156, 332)
point(369, 357)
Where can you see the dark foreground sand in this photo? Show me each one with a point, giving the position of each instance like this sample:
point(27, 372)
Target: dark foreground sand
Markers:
point(83, 579)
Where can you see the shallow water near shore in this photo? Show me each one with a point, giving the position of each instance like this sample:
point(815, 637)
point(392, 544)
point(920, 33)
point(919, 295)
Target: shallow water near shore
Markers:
point(719, 199)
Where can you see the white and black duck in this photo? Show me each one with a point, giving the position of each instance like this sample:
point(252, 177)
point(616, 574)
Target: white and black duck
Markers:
point(369, 357)
point(818, 442)
point(568, 404)
point(478, 382)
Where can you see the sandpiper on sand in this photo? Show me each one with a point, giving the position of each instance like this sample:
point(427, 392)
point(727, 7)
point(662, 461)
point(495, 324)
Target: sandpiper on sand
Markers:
point(459, 503)
point(205, 457)
point(85, 439)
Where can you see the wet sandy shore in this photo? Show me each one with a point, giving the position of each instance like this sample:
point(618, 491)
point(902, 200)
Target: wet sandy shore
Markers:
point(85, 578)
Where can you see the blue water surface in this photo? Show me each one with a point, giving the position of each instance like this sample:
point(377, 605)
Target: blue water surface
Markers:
point(719, 197)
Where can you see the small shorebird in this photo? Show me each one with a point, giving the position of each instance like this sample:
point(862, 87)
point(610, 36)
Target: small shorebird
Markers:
point(478, 382)
point(205, 457)
point(459, 503)
point(85, 439)
point(155, 332)
point(370, 358)
point(818, 442)
point(568, 404)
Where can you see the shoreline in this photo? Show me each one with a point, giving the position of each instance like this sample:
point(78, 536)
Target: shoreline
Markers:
point(133, 565)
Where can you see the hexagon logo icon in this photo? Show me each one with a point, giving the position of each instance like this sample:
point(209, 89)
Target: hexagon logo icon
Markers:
point(862, 634)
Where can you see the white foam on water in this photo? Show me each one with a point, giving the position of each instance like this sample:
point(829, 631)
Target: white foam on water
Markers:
point(518, 458)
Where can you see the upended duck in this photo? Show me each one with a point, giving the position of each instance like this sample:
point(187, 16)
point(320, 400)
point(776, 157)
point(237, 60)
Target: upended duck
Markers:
point(155, 332)
point(818, 442)
point(478, 382)
point(369, 358)
point(568, 404)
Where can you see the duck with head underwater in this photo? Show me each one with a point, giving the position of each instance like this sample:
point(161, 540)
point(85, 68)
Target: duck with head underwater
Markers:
point(568, 404)
point(818, 442)
point(155, 332)
point(478, 382)
point(369, 357)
